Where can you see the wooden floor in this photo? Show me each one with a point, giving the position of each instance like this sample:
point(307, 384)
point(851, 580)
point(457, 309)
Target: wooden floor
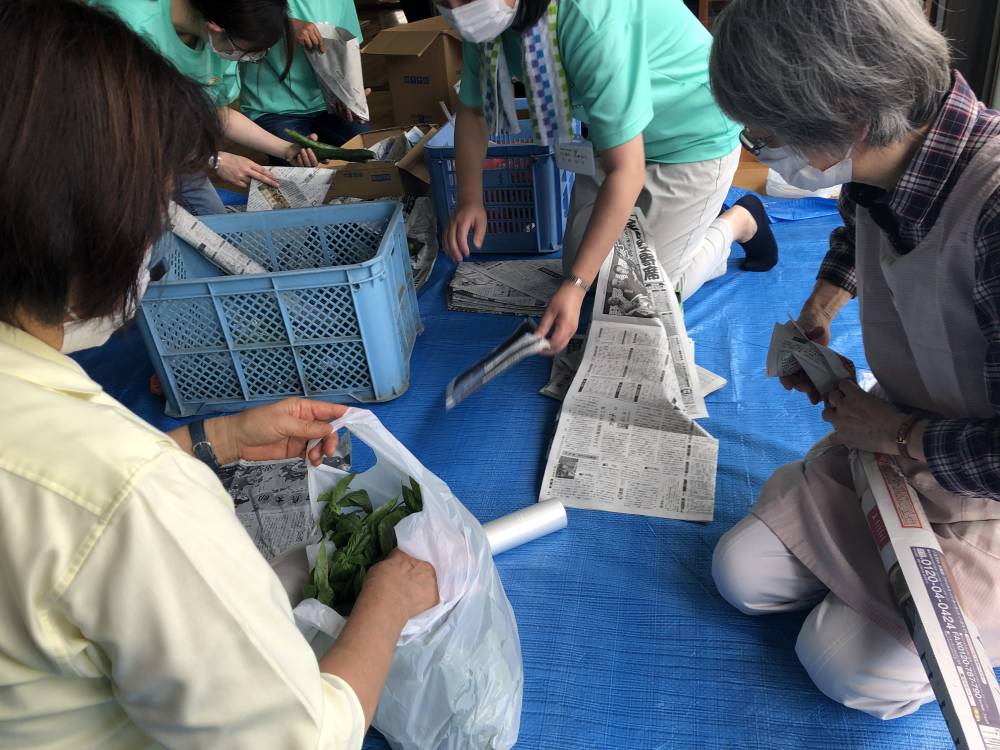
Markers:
point(751, 174)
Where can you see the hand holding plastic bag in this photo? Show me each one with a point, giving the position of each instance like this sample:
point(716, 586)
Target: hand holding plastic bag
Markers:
point(457, 677)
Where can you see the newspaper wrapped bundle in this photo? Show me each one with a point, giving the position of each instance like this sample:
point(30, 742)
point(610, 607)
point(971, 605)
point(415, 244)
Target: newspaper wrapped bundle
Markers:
point(948, 642)
point(338, 70)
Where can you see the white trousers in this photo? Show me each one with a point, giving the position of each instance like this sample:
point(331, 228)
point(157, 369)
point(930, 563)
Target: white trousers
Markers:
point(681, 203)
point(850, 659)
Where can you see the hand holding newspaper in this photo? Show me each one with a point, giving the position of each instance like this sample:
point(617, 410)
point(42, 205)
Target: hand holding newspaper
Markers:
point(948, 642)
point(522, 344)
point(626, 440)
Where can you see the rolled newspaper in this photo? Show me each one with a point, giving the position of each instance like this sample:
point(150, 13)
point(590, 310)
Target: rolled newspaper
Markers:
point(525, 525)
point(197, 234)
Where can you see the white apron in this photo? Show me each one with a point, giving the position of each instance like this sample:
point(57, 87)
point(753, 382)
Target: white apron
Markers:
point(927, 351)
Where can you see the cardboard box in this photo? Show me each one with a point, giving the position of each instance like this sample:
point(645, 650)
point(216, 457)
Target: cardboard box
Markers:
point(423, 64)
point(381, 179)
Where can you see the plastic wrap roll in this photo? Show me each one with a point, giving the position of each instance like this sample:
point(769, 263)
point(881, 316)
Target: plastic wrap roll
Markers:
point(525, 525)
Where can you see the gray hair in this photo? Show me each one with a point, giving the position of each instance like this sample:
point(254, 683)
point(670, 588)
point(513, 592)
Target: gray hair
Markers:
point(817, 74)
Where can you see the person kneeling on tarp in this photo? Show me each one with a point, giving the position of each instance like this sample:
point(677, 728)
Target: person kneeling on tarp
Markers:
point(135, 610)
point(637, 74)
point(861, 91)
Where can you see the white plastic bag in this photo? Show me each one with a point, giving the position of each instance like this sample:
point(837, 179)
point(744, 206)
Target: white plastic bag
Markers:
point(457, 677)
point(338, 70)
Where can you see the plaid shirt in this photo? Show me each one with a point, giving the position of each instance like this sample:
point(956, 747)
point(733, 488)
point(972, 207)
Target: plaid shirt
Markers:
point(963, 454)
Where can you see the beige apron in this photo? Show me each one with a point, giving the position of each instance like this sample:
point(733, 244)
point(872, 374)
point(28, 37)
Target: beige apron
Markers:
point(927, 352)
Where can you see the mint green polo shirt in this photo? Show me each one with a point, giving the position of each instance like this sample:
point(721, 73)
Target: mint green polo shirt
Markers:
point(634, 67)
point(299, 93)
point(151, 20)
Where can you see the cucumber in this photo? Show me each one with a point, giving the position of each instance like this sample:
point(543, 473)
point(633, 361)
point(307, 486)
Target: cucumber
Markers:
point(325, 152)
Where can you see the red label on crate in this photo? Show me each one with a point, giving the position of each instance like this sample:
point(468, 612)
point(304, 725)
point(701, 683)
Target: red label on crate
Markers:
point(899, 492)
point(877, 526)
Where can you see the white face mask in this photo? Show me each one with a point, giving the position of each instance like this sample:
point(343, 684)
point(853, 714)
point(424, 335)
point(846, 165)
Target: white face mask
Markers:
point(796, 170)
point(481, 20)
point(86, 334)
point(234, 54)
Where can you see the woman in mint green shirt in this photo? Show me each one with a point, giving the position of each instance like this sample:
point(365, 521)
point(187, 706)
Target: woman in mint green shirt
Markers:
point(636, 74)
point(206, 40)
point(295, 101)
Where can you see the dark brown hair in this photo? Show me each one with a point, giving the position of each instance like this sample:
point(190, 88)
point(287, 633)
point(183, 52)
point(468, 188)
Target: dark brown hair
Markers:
point(260, 23)
point(529, 12)
point(96, 126)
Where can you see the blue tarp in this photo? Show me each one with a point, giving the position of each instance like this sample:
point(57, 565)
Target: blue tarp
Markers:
point(626, 642)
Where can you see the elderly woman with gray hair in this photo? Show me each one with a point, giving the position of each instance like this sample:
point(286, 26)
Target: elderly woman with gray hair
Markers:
point(861, 91)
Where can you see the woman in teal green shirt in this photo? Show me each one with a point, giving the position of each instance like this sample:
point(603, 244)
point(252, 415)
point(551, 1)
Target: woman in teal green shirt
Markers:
point(636, 73)
point(206, 40)
point(295, 101)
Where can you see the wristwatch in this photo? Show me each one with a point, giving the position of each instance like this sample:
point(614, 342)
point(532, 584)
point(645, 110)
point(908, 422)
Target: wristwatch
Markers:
point(213, 162)
point(903, 435)
point(200, 445)
point(577, 281)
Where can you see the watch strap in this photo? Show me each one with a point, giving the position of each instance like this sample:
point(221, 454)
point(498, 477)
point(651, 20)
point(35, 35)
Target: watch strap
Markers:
point(577, 281)
point(200, 445)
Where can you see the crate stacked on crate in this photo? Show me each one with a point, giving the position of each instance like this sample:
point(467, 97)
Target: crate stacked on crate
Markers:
point(525, 194)
point(336, 315)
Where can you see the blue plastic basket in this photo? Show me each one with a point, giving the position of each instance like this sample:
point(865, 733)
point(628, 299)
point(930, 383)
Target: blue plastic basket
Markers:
point(525, 194)
point(335, 317)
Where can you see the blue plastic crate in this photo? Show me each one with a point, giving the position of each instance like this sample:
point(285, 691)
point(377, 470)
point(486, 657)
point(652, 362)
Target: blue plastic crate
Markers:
point(525, 194)
point(335, 317)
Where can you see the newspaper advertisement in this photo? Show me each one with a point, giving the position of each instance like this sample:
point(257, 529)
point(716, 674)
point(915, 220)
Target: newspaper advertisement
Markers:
point(298, 187)
point(523, 343)
point(626, 440)
point(512, 287)
point(633, 284)
point(951, 651)
point(272, 499)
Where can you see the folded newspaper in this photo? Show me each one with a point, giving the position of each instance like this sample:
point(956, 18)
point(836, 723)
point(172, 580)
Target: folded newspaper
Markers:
point(948, 642)
point(626, 440)
point(522, 344)
point(513, 287)
point(272, 499)
point(298, 187)
point(338, 70)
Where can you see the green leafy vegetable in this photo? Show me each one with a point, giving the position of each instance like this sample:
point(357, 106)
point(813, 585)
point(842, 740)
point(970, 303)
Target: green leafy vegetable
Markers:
point(362, 536)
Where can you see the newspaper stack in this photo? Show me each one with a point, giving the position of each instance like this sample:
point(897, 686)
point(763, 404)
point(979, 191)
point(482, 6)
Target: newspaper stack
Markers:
point(626, 440)
point(513, 287)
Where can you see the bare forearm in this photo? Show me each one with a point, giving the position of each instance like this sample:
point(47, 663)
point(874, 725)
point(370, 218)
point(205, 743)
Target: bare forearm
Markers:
point(363, 653)
point(240, 129)
point(471, 141)
point(828, 299)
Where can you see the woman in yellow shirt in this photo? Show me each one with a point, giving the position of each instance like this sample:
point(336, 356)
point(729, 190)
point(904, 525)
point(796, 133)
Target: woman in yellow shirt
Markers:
point(134, 609)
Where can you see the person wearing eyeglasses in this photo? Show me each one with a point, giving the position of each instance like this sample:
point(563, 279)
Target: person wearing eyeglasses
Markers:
point(207, 40)
point(862, 92)
point(295, 101)
point(636, 73)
